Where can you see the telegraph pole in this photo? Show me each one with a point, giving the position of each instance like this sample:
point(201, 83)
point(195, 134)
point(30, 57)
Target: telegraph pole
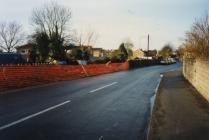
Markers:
point(148, 46)
point(148, 43)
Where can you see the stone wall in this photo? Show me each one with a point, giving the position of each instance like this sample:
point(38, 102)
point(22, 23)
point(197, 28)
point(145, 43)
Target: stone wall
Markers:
point(197, 73)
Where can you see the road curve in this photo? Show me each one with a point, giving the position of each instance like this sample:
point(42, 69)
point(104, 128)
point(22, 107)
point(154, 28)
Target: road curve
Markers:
point(108, 107)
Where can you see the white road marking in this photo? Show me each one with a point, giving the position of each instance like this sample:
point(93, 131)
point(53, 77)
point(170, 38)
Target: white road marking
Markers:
point(158, 84)
point(32, 116)
point(103, 87)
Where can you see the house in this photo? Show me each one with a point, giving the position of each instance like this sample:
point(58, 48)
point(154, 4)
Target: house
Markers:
point(139, 53)
point(98, 52)
point(25, 51)
point(93, 52)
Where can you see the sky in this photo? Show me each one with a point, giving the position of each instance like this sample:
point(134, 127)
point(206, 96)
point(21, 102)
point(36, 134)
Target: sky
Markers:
point(117, 20)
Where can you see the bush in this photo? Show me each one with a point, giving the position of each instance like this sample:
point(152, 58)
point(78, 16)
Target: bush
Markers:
point(117, 60)
point(102, 61)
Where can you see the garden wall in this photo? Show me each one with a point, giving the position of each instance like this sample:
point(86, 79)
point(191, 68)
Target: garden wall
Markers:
point(19, 76)
point(197, 73)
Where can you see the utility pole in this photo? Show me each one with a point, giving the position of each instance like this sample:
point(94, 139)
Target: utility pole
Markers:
point(148, 46)
point(148, 43)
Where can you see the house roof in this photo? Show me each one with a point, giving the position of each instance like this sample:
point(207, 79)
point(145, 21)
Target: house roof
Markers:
point(26, 46)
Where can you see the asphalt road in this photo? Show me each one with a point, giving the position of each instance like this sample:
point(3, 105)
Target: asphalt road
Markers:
point(108, 107)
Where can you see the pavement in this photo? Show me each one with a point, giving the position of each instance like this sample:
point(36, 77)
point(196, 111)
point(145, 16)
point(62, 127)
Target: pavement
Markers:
point(108, 107)
point(180, 112)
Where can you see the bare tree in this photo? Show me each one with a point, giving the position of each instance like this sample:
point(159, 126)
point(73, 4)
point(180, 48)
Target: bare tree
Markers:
point(51, 19)
point(88, 38)
point(10, 36)
point(80, 38)
point(91, 38)
point(197, 39)
point(180, 52)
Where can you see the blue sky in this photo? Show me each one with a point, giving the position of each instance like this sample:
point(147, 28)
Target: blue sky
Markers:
point(116, 20)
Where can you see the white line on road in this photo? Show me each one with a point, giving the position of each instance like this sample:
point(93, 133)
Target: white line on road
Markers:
point(33, 115)
point(103, 87)
point(158, 84)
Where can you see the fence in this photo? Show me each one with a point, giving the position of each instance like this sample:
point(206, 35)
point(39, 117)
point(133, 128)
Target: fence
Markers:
point(142, 63)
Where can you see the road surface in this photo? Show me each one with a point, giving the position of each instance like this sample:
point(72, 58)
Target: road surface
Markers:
point(108, 107)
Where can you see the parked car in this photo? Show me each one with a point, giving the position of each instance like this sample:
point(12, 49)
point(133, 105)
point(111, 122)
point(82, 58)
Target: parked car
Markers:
point(168, 61)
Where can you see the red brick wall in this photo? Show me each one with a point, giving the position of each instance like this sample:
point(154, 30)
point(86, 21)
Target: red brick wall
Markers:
point(19, 76)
